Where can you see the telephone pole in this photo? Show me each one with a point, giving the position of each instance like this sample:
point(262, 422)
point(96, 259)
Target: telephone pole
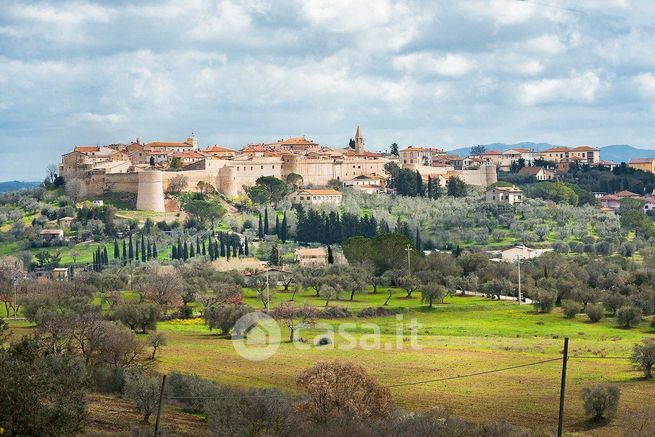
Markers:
point(408, 249)
point(161, 401)
point(565, 358)
point(518, 258)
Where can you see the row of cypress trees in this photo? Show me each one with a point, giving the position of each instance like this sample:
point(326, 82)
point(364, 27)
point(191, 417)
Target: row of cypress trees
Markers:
point(144, 251)
point(281, 229)
point(217, 245)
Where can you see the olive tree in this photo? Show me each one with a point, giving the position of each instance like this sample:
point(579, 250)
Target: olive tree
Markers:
point(643, 356)
point(601, 401)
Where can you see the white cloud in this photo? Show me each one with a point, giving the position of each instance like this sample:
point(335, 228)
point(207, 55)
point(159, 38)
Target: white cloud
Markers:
point(451, 64)
point(547, 44)
point(582, 88)
point(91, 117)
point(646, 84)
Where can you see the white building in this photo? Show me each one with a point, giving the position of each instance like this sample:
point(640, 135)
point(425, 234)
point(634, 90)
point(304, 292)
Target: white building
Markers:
point(510, 195)
point(522, 252)
point(316, 197)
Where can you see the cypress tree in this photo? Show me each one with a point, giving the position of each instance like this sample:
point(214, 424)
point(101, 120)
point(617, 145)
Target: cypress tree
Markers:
point(419, 184)
point(180, 252)
point(124, 250)
point(154, 250)
point(265, 221)
point(260, 231)
point(143, 248)
point(330, 256)
point(137, 253)
point(222, 253)
point(185, 251)
point(93, 263)
point(204, 248)
point(277, 226)
point(149, 253)
point(117, 251)
point(105, 256)
point(274, 258)
point(234, 248)
point(430, 188)
point(192, 252)
point(131, 250)
point(283, 229)
point(246, 251)
point(174, 252)
point(418, 240)
point(227, 254)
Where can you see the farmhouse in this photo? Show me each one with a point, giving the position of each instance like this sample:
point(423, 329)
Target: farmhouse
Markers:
point(52, 234)
point(522, 252)
point(306, 256)
point(510, 195)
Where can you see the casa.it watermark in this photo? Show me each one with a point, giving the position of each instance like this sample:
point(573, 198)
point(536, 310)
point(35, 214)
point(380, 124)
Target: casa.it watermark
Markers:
point(257, 336)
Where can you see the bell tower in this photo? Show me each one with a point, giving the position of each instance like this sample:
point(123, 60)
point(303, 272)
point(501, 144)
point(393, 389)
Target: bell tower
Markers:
point(359, 141)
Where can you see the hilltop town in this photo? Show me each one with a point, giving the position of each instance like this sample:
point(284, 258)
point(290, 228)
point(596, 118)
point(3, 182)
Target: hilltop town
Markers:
point(147, 169)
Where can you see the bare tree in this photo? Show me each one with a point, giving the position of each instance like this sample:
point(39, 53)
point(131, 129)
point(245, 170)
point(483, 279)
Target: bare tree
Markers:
point(156, 340)
point(295, 318)
point(178, 183)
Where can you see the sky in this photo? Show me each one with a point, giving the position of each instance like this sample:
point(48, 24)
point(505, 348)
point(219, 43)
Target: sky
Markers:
point(435, 73)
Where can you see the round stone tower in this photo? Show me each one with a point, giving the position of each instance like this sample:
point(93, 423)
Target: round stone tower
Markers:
point(226, 181)
point(150, 193)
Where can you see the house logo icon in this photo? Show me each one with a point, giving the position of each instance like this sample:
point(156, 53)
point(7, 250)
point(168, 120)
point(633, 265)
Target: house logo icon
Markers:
point(256, 336)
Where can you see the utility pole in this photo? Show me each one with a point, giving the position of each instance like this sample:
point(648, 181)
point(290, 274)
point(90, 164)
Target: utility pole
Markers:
point(161, 401)
point(518, 258)
point(565, 357)
point(409, 265)
point(268, 293)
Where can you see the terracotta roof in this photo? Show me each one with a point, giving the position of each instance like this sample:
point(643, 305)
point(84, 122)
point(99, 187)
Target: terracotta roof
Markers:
point(218, 149)
point(556, 149)
point(165, 144)
point(641, 160)
point(507, 189)
point(530, 170)
point(626, 193)
point(308, 251)
point(87, 149)
point(585, 149)
point(422, 149)
point(491, 152)
point(321, 192)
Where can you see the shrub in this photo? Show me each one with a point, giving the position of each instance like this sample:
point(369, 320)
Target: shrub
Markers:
point(543, 300)
point(570, 308)
point(341, 389)
point(600, 401)
point(628, 316)
point(107, 379)
point(643, 356)
point(191, 391)
point(335, 313)
point(143, 391)
point(595, 312)
point(377, 312)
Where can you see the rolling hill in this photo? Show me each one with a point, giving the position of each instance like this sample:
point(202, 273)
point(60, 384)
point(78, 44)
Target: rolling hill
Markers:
point(615, 152)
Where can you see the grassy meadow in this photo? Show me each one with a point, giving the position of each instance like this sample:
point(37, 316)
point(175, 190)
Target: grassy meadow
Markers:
point(465, 335)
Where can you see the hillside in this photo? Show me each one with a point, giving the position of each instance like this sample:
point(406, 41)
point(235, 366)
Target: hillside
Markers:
point(8, 186)
point(615, 152)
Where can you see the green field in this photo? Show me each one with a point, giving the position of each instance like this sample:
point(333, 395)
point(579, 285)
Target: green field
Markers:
point(465, 335)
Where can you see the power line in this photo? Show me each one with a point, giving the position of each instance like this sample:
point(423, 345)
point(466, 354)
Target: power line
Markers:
point(486, 372)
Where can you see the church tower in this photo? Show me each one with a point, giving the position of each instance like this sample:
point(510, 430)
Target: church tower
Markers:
point(359, 141)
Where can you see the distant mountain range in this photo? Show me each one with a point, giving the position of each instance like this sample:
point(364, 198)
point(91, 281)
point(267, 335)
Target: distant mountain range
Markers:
point(9, 186)
point(616, 152)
